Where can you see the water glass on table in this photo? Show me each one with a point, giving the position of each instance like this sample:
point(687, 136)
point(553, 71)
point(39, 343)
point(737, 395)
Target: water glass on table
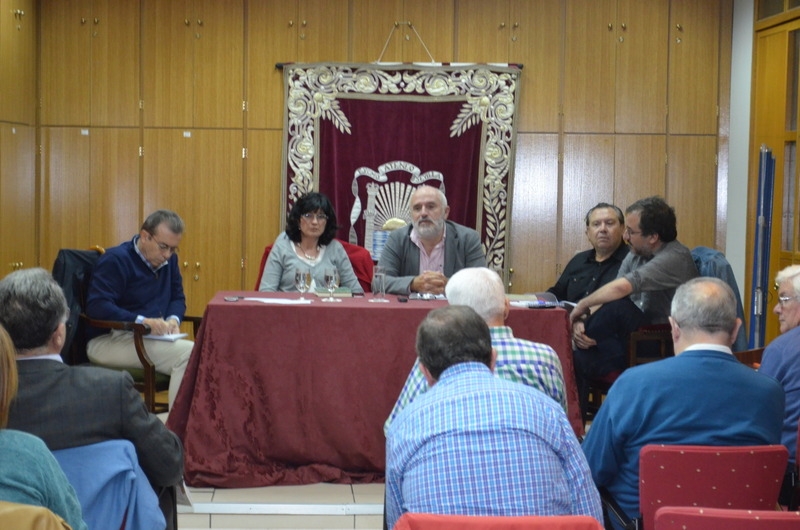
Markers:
point(378, 285)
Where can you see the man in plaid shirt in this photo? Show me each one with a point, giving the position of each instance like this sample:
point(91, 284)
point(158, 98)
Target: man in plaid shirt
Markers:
point(522, 361)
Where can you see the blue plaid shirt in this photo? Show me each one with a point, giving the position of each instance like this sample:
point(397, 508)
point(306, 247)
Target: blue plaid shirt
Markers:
point(479, 445)
point(522, 361)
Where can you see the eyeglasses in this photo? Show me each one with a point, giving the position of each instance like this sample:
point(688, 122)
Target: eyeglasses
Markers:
point(783, 300)
point(320, 217)
point(163, 247)
point(630, 232)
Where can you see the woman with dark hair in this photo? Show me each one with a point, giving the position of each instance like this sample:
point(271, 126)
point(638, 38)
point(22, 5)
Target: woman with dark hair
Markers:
point(29, 473)
point(308, 243)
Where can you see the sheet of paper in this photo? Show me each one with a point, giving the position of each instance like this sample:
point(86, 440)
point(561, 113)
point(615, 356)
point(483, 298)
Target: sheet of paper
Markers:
point(284, 301)
point(170, 337)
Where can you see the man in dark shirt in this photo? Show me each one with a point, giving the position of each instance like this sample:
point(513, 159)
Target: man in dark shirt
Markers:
point(593, 268)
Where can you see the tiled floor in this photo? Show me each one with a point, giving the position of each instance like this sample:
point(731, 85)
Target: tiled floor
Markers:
point(312, 506)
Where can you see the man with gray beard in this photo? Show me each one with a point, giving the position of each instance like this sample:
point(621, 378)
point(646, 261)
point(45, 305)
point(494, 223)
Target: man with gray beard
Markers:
point(421, 257)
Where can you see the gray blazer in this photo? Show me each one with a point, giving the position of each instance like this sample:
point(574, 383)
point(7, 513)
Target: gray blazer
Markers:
point(70, 406)
point(400, 256)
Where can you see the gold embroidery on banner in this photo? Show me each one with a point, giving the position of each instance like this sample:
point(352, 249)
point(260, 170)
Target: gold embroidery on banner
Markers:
point(488, 92)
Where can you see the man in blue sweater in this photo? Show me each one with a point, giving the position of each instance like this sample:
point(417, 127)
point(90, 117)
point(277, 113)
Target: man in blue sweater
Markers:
point(140, 281)
point(702, 396)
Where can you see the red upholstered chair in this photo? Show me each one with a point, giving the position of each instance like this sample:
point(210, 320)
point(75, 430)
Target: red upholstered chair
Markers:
point(426, 521)
point(747, 477)
point(684, 518)
point(360, 259)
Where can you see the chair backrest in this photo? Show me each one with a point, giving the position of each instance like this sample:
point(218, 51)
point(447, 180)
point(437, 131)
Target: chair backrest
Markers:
point(426, 521)
point(264, 257)
point(694, 518)
point(360, 259)
point(745, 477)
point(111, 486)
point(73, 271)
point(713, 263)
point(362, 263)
point(751, 358)
point(27, 517)
point(650, 343)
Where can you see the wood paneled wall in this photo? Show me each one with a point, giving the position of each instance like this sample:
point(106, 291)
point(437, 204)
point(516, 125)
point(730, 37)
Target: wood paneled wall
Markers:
point(145, 104)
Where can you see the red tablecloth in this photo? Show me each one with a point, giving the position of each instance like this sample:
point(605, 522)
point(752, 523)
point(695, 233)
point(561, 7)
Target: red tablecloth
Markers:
point(297, 394)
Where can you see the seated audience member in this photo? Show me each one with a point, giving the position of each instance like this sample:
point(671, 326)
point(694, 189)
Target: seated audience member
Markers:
point(419, 258)
point(476, 444)
point(518, 360)
point(29, 473)
point(702, 396)
point(591, 269)
point(140, 281)
point(308, 243)
point(781, 360)
point(656, 265)
point(71, 406)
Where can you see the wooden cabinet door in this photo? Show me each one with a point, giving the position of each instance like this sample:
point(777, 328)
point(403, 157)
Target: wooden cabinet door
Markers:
point(641, 66)
point(590, 66)
point(322, 33)
point(433, 22)
point(639, 167)
point(536, 35)
point(588, 179)
point(263, 203)
point(198, 174)
point(694, 199)
point(533, 243)
point(114, 196)
point(219, 63)
point(484, 31)
point(17, 198)
point(65, 62)
point(694, 66)
point(115, 63)
point(18, 57)
point(378, 28)
point(168, 30)
point(271, 39)
point(66, 186)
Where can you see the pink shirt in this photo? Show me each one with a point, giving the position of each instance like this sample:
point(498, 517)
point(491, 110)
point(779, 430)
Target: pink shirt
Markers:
point(433, 261)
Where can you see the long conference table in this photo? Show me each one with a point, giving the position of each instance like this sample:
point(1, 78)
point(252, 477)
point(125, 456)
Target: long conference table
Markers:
point(279, 393)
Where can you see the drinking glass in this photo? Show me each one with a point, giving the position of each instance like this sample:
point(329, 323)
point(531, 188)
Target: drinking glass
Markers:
point(378, 285)
point(302, 280)
point(331, 282)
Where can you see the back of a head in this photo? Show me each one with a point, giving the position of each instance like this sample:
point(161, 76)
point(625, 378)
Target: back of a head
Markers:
point(655, 217)
point(169, 218)
point(32, 305)
point(479, 288)
point(8, 375)
point(704, 304)
point(450, 335)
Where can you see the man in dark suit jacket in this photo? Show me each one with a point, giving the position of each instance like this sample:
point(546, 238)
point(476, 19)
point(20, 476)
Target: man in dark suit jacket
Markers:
point(70, 406)
point(419, 258)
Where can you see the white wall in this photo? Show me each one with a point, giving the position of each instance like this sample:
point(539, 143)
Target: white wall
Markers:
point(738, 163)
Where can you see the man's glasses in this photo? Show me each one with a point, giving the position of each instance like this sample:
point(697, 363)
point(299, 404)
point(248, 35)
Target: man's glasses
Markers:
point(783, 300)
point(320, 217)
point(163, 247)
point(630, 232)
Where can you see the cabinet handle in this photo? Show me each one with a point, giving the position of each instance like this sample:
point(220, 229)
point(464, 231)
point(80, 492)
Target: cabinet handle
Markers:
point(199, 22)
point(516, 25)
point(410, 24)
point(83, 20)
point(197, 265)
point(305, 23)
point(610, 26)
point(502, 24)
point(186, 21)
point(185, 264)
point(96, 21)
point(624, 26)
point(291, 23)
point(679, 27)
